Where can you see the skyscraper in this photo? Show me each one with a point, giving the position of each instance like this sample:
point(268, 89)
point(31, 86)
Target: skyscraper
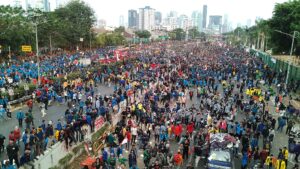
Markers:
point(215, 23)
point(121, 20)
point(197, 20)
point(146, 18)
point(29, 4)
point(17, 3)
point(204, 12)
point(225, 27)
point(60, 3)
point(43, 5)
point(101, 23)
point(132, 19)
point(158, 18)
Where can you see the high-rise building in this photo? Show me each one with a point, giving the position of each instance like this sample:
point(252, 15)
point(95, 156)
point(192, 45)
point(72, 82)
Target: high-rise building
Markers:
point(146, 18)
point(132, 19)
point(215, 23)
point(61, 3)
point(185, 22)
point(204, 12)
point(17, 3)
point(101, 23)
point(158, 18)
point(197, 20)
point(29, 4)
point(121, 20)
point(173, 14)
point(43, 5)
point(225, 27)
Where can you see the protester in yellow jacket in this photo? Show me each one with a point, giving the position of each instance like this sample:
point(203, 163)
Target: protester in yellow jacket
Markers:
point(271, 161)
point(280, 164)
point(285, 153)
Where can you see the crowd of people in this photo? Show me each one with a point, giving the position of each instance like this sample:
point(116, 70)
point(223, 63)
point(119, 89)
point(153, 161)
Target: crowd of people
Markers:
point(171, 98)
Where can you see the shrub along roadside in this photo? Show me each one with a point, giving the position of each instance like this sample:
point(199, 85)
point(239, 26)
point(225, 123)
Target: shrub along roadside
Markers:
point(79, 151)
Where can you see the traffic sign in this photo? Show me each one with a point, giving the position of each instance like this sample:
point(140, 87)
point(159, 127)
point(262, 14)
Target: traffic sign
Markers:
point(26, 48)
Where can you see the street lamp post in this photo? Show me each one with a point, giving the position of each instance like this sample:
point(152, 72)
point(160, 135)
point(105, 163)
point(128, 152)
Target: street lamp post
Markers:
point(291, 53)
point(290, 59)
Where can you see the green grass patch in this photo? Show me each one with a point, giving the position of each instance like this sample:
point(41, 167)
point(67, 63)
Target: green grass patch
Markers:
point(100, 132)
point(77, 148)
point(55, 167)
point(66, 159)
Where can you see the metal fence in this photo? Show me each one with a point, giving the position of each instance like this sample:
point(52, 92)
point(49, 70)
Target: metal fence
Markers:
point(278, 65)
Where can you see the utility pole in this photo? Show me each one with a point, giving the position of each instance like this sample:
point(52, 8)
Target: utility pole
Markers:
point(37, 52)
point(290, 59)
point(50, 39)
point(291, 53)
point(9, 54)
point(90, 41)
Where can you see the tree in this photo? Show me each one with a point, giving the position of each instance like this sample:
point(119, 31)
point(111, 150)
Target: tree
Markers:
point(285, 18)
point(15, 29)
point(143, 34)
point(63, 28)
point(120, 29)
point(110, 39)
point(202, 36)
point(177, 34)
point(78, 19)
point(194, 33)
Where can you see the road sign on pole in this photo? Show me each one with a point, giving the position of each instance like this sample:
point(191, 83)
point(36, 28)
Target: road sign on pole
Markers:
point(26, 48)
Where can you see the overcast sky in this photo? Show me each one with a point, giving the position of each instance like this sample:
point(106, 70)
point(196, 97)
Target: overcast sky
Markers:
point(239, 11)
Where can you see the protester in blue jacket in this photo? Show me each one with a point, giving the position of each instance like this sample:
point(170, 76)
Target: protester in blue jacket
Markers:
point(20, 118)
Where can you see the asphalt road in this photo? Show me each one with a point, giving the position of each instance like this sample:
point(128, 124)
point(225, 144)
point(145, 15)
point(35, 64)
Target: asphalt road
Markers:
point(56, 111)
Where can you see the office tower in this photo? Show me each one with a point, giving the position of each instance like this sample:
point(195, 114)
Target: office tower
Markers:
point(101, 23)
point(43, 5)
point(29, 4)
point(204, 12)
point(60, 3)
point(225, 27)
point(121, 21)
point(17, 3)
point(197, 20)
point(158, 18)
point(146, 18)
point(215, 23)
point(132, 19)
point(173, 14)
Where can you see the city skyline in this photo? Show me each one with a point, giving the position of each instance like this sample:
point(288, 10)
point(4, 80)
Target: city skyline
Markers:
point(237, 10)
